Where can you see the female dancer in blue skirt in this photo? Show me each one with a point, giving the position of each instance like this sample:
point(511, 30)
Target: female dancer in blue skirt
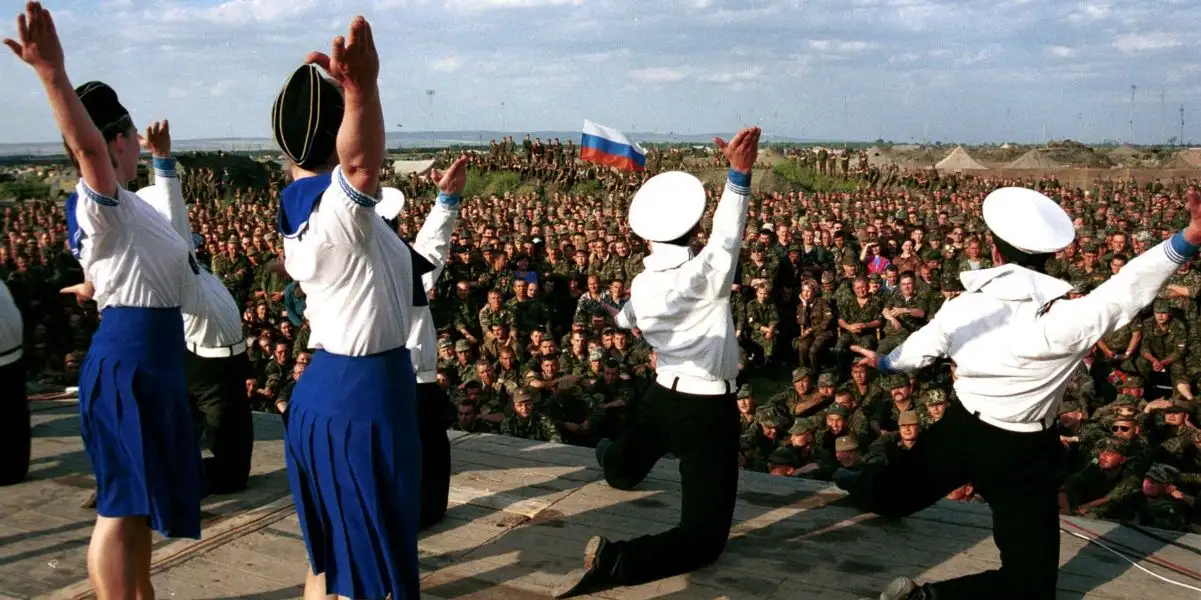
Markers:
point(353, 448)
point(136, 423)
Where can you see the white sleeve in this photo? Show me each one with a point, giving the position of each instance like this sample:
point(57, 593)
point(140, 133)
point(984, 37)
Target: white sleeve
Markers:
point(166, 197)
point(433, 240)
point(712, 272)
point(347, 215)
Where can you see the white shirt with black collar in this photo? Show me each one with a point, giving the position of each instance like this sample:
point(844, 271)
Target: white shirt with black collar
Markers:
point(12, 329)
point(211, 318)
point(681, 302)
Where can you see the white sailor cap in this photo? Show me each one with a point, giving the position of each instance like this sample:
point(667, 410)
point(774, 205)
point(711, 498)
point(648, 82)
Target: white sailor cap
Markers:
point(1028, 220)
point(391, 202)
point(667, 206)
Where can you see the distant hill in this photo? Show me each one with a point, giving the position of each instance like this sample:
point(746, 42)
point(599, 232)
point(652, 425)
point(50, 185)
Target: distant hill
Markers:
point(395, 139)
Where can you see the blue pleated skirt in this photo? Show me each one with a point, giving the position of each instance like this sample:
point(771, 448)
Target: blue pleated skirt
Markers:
point(137, 423)
point(354, 464)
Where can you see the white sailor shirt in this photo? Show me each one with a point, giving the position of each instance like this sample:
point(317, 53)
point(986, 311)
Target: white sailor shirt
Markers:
point(357, 274)
point(128, 251)
point(211, 318)
point(433, 241)
point(12, 329)
point(1015, 339)
point(681, 302)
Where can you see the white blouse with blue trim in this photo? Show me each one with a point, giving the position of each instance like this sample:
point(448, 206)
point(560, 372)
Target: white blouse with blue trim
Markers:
point(356, 273)
point(128, 250)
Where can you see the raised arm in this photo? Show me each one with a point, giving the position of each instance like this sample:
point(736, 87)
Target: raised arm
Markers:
point(166, 195)
point(354, 64)
point(433, 240)
point(719, 257)
point(39, 47)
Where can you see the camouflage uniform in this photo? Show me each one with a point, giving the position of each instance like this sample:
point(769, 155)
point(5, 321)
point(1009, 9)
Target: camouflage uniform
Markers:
point(762, 314)
point(817, 316)
point(909, 323)
point(1167, 342)
point(852, 312)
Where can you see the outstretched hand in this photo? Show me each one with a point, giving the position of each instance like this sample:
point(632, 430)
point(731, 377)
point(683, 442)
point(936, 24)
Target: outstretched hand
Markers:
point(157, 139)
point(37, 42)
point(353, 61)
point(870, 358)
point(453, 180)
point(83, 292)
point(742, 151)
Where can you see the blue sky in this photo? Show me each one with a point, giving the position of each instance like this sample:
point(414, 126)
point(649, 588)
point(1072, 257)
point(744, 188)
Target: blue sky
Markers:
point(905, 70)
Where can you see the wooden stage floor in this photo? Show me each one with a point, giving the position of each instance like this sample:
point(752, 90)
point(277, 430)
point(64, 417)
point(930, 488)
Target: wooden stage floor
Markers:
point(520, 514)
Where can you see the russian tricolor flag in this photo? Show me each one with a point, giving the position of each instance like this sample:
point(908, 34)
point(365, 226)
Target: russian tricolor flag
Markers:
point(607, 146)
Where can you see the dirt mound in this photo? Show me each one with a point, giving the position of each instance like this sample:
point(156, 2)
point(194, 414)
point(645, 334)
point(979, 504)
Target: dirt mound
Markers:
point(1034, 159)
point(1186, 159)
point(879, 157)
point(959, 160)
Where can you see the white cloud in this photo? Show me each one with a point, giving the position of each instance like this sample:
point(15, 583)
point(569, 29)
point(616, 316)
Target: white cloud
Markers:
point(659, 75)
point(448, 64)
point(1135, 43)
point(743, 76)
point(1091, 12)
point(239, 12)
point(841, 46)
point(474, 6)
point(1063, 51)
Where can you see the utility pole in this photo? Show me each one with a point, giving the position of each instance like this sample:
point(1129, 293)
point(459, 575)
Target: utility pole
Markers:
point(429, 94)
point(1130, 116)
point(1163, 113)
point(1181, 124)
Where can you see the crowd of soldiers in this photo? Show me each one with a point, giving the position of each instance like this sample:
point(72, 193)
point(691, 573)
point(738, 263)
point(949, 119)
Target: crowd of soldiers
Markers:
point(527, 350)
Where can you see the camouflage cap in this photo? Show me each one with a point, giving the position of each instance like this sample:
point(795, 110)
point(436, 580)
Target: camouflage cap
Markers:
point(1068, 406)
point(596, 354)
point(462, 346)
point(934, 396)
point(1161, 473)
point(1125, 400)
point(839, 410)
point(827, 380)
point(1113, 444)
point(802, 426)
point(951, 283)
point(909, 417)
point(525, 394)
point(1162, 306)
point(1179, 405)
point(827, 277)
point(894, 381)
point(766, 415)
point(785, 457)
point(800, 373)
point(1132, 381)
point(744, 391)
point(445, 343)
point(846, 443)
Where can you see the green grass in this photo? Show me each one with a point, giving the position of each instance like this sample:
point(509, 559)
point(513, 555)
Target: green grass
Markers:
point(812, 181)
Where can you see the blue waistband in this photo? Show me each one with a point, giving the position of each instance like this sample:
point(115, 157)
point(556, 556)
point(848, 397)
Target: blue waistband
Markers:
point(154, 334)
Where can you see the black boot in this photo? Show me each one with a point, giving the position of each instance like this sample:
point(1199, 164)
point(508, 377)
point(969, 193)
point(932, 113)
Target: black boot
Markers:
point(596, 576)
point(602, 447)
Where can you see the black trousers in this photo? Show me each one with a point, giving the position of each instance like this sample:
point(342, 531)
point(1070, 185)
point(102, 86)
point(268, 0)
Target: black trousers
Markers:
point(1017, 473)
point(14, 425)
point(702, 432)
point(217, 390)
point(435, 452)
